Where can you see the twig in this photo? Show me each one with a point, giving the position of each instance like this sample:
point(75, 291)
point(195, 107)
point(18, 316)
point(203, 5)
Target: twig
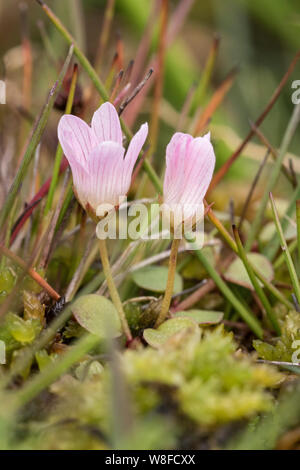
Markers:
point(159, 78)
point(215, 102)
point(105, 30)
point(135, 91)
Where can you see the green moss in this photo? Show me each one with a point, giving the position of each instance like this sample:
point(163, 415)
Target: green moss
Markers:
point(284, 347)
point(203, 382)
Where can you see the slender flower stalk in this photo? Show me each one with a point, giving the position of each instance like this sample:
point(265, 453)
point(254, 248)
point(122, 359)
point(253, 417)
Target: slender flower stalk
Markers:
point(190, 165)
point(112, 288)
point(170, 283)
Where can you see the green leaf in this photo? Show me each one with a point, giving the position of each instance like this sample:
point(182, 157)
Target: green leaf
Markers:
point(157, 338)
point(154, 278)
point(21, 330)
point(202, 317)
point(194, 270)
point(269, 230)
point(237, 274)
point(97, 315)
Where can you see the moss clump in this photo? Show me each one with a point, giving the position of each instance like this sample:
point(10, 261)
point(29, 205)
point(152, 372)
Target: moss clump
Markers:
point(196, 383)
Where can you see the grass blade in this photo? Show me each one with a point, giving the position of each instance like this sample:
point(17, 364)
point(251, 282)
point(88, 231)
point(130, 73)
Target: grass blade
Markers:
point(265, 302)
point(284, 247)
point(247, 316)
point(273, 245)
point(272, 180)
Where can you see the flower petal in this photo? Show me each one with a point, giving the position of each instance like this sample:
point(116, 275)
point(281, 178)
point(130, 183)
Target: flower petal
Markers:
point(106, 124)
point(190, 165)
point(136, 145)
point(199, 167)
point(132, 154)
point(76, 138)
point(105, 168)
point(176, 152)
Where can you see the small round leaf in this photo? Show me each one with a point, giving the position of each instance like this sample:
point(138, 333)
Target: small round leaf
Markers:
point(97, 315)
point(154, 278)
point(237, 274)
point(157, 338)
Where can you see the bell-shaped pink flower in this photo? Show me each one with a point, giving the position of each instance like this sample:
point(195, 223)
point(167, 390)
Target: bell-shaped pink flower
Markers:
point(190, 164)
point(101, 173)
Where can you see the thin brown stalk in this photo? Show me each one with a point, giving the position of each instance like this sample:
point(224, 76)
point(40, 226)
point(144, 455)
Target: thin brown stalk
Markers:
point(105, 30)
point(120, 51)
point(144, 45)
point(178, 18)
point(135, 92)
point(116, 85)
point(122, 94)
point(159, 80)
point(176, 21)
point(185, 108)
point(216, 100)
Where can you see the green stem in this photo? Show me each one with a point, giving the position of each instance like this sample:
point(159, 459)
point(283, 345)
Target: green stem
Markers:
point(273, 245)
point(265, 302)
point(253, 323)
point(284, 247)
point(280, 260)
point(231, 243)
point(170, 283)
point(272, 180)
point(112, 288)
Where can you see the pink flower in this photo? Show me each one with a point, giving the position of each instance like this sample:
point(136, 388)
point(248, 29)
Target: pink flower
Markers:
point(101, 173)
point(190, 165)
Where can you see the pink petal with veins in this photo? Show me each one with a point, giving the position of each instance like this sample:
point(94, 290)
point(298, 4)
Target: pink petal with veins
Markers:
point(105, 166)
point(190, 166)
point(76, 138)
